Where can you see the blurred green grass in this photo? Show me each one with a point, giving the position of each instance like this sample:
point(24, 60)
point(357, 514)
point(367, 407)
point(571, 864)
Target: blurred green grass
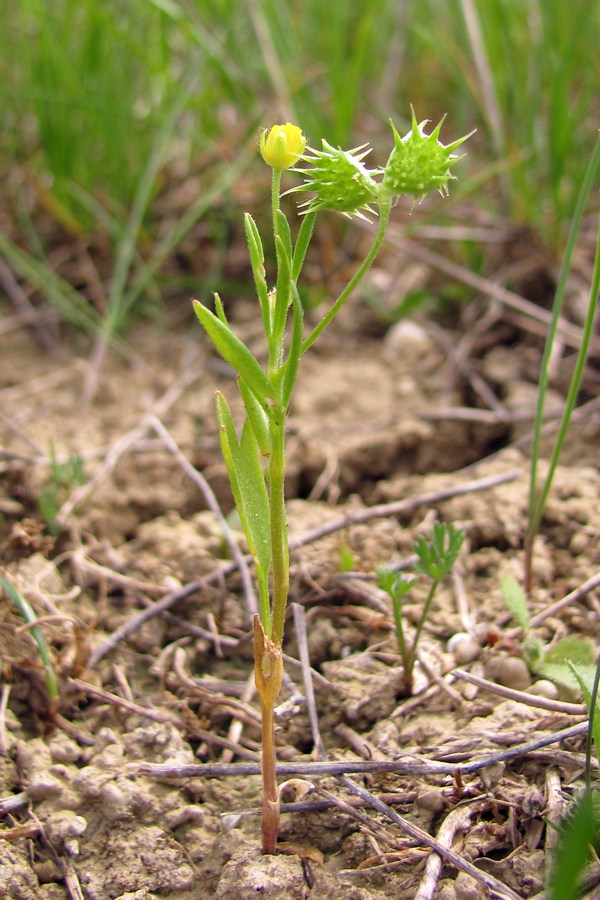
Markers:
point(106, 106)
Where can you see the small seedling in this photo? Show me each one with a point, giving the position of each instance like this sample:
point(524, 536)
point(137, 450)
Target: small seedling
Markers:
point(555, 661)
point(63, 477)
point(336, 180)
point(581, 830)
point(25, 610)
point(436, 557)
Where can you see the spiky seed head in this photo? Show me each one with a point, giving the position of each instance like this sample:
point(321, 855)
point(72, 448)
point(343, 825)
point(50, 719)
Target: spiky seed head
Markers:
point(419, 162)
point(339, 181)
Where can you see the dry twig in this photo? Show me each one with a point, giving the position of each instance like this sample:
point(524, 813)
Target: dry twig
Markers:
point(406, 766)
point(213, 504)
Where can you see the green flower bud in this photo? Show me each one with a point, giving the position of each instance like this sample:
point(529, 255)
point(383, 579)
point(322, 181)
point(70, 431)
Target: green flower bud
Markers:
point(339, 181)
point(419, 162)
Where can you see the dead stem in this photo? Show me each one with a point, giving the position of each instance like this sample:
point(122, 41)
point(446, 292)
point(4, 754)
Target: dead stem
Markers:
point(400, 507)
point(456, 822)
point(144, 711)
point(573, 597)
point(532, 317)
point(449, 856)
point(4, 695)
point(213, 504)
point(571, 709)
point(409, 765)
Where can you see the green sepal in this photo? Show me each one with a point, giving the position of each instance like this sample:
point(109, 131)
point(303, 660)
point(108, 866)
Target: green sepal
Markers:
point(235, 353)
point(257, 417)
point(295, 351)
point(302, 242)
point(257, 259)
point(247, 484)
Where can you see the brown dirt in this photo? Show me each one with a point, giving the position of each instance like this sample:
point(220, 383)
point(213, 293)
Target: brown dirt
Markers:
point(375, 420)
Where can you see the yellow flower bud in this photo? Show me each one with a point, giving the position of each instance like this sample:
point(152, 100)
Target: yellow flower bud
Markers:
point(282, 146)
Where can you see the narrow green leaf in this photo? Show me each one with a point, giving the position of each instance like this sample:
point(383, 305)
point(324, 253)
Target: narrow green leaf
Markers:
point(574, 849)
point(235, 352)
point(257, 260)
point(302, 242)
point(282, 230)
point(220, 311)
point(256, 500)
point(242, 459)
point(558, 659)
point(295, 351)
point(229, 446)
point(516, 601)
point(257, 417)
point(283, 288)
point(29, 616)
point(586, 687)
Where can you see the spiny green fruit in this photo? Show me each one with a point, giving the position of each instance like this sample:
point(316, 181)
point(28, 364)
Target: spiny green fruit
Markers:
point(419, 163)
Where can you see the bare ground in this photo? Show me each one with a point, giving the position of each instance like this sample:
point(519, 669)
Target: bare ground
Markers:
point(388, 431)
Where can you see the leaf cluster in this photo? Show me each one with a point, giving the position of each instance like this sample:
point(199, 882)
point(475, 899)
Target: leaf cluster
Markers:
point(438, 554)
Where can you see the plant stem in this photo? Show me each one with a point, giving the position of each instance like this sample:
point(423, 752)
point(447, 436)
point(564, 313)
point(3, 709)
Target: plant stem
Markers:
point(384, 217)
point(400, 636)
point(409, 667)
point(270, 798)
point(539, 496)
point(279, 539)
point(275, 195)
point(268, 673)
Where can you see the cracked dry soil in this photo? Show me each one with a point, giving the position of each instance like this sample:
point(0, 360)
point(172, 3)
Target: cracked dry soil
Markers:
point(370, 425)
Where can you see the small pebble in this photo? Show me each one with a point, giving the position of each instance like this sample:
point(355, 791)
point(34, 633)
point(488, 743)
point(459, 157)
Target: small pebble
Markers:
point(544, 688)
point(63, 830)
point(430, 800)
point(580, 542)
point(466, 888)
point(64, 749)
point(42, 785)
point(407, 338)
point(119, 799)
point(511, 671)
point(464, 648)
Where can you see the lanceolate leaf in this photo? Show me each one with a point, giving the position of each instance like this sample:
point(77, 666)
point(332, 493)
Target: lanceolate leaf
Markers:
point(257, 417)
point(235, 353)
point(283, 231)
point(257, 258)
point(248, 485)
point(220, 311)
point(574, 849)
point(585, 680)
point(516, 601)
point(293, 359)
point(255, 498)
point(283, 288)
point(302, 242)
